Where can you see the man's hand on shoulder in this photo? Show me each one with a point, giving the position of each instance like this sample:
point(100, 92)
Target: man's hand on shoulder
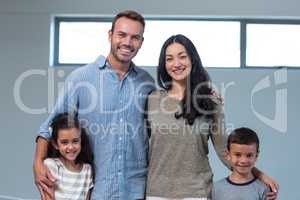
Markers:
point(42, 176)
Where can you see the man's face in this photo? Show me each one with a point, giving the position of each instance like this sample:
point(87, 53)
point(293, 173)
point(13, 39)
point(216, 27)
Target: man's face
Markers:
point(126, 39)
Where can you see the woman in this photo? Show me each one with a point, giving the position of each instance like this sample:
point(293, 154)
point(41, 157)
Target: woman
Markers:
point(182, 118)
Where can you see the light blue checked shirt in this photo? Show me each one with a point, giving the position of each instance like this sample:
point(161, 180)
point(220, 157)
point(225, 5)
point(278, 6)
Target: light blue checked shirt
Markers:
point(111, 110)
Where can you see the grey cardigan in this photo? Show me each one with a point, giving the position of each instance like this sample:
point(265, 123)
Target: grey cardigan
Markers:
point(178, 162)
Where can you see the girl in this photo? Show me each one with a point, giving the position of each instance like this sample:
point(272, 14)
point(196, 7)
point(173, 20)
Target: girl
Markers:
point(182, 118)
point(70, 159)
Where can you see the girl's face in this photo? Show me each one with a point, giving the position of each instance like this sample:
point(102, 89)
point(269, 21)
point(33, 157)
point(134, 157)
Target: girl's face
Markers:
point(178, 62)
point(68, 143)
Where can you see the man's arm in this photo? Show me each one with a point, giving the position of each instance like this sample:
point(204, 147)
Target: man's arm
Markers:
point(67, 101)
point(42, 176)
point(88, 197)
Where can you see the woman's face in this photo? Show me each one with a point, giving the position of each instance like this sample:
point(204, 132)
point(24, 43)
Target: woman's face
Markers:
point(178, 63)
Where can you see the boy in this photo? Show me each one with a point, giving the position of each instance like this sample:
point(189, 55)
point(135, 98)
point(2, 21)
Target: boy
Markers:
point(242, 152)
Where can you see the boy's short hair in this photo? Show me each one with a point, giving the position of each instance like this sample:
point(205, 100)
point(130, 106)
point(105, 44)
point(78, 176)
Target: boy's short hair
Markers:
point(243, 135)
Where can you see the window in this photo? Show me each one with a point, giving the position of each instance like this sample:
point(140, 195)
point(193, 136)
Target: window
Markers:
point(217, 42)
point(273, 45)
point(79, 41)
point(82, 42)
point(223, 43)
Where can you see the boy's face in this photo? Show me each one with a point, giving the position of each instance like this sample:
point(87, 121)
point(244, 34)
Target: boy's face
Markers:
point(242, 158)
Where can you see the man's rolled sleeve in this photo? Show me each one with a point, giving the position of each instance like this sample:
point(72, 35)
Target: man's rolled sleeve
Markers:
point(44, 130)
point(66, 102)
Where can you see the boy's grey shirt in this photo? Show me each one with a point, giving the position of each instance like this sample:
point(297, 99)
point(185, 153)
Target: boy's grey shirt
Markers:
point(225, 189)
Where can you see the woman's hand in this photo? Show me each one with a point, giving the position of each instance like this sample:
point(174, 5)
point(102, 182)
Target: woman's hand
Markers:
point(216, 97)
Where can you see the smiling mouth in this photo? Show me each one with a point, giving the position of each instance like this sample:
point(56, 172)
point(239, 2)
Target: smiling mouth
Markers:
point(243, 166)
point(126, 50)
point(178, 71)
point(71, 153)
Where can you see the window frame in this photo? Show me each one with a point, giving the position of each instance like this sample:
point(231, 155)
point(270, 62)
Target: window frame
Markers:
point(274, 21)
point(57, 20)
point(243, 34)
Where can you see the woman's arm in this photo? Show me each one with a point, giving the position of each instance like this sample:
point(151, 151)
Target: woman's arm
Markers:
point(218, 134)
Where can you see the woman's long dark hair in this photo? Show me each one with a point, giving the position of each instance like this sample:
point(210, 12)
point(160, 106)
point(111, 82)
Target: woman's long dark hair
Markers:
point(197, 101)
point(66, 121)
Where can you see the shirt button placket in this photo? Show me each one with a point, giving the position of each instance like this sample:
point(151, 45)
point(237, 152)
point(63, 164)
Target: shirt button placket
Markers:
point(120, 138)
point(121, 131)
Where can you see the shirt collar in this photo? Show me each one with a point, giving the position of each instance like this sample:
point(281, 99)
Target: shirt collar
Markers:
point(102, 63)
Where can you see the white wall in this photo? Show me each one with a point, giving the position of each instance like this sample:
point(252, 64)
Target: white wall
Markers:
point(170, 7)
point(24, 45)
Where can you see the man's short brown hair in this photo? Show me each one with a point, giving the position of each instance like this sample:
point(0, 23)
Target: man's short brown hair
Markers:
point(130, 14)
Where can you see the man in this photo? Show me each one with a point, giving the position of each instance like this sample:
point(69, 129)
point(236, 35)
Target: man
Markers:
point(108, 96)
